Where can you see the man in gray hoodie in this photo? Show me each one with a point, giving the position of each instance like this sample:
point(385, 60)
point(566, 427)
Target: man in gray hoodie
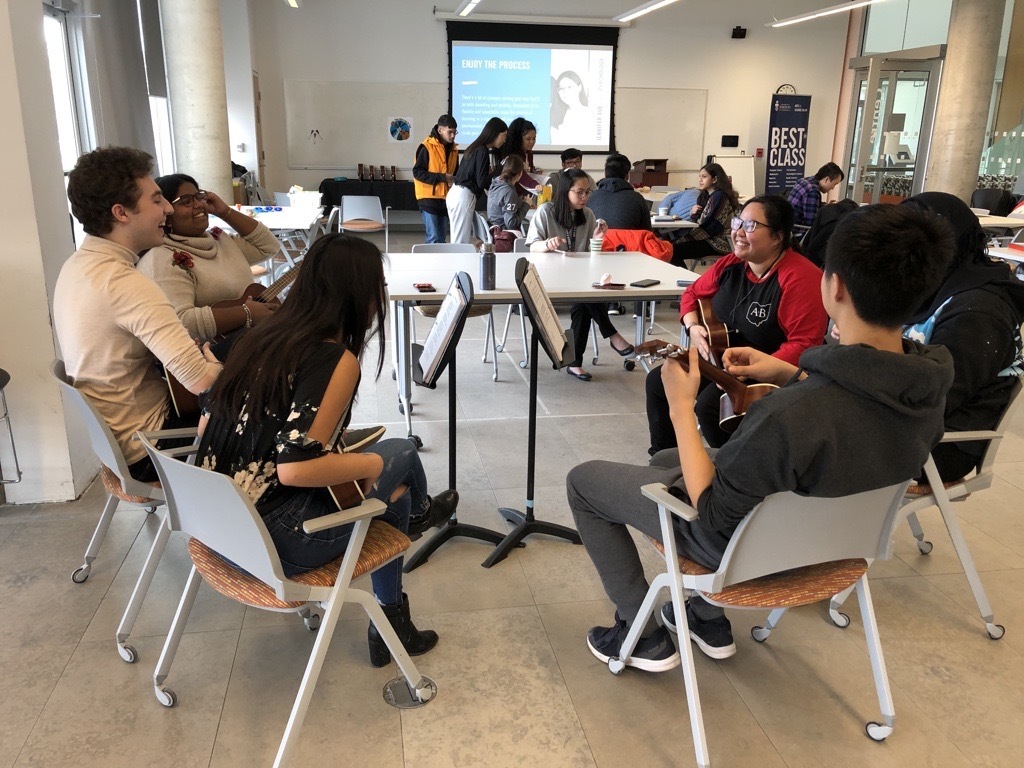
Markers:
point(853, 417)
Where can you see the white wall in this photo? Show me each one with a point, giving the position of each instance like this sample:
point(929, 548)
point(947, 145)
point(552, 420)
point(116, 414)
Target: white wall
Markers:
point(55, 457)
point(686, 45)
point(238, 68)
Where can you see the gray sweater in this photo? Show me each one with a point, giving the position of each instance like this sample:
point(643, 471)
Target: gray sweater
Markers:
point(504, 208)
point(544, 226)
point(862, 419)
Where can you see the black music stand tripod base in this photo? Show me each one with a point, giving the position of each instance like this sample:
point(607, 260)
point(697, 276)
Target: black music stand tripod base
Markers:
point(451, 530)
point(526, 525)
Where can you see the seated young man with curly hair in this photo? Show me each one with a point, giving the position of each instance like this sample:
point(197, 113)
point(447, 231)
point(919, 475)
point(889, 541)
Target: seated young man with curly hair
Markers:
point(851, 418)
point(113, 323)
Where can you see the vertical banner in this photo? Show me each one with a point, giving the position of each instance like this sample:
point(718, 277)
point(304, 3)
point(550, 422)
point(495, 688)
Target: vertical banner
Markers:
point(787, 141)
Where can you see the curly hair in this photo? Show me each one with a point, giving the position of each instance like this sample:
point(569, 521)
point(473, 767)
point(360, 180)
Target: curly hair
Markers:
point(103, 178)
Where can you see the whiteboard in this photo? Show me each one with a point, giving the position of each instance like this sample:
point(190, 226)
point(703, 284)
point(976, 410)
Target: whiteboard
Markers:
point(337, 125)
point(661, 122)
point(740, 168)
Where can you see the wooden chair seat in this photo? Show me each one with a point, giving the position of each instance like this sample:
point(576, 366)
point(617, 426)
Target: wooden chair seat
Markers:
point(383, 542)
point(786, 589)
point(362, 225)
point(113, 485)
point(924, 489)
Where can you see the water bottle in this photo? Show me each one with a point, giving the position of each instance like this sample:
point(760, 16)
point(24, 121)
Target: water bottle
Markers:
point(487, 267)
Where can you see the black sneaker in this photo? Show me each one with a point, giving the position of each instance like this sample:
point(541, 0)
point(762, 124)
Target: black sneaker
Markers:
point(355, 440)
point(656, 653)
point(714, 637)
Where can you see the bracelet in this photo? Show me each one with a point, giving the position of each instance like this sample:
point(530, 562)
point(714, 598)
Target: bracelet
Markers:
point(248, 316)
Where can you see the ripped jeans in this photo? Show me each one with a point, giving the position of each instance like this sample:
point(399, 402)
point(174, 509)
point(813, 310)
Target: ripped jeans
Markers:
point(301, 551)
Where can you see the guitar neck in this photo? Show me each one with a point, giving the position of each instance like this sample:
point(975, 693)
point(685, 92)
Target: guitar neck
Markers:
point(280, 284)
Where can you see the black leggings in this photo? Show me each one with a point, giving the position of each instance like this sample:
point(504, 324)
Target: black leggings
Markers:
point(663, 434)
point(143, 470)
point(581, 316)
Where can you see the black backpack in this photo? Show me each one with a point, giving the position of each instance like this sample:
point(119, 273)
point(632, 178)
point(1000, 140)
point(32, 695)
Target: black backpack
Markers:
point(824, 224)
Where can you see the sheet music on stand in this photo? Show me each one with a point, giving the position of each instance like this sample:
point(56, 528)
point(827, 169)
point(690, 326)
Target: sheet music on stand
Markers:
point(449, 319)
point(545, 319)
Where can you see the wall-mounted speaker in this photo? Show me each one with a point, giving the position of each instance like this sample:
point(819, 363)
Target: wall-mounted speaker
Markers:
point(738, 33)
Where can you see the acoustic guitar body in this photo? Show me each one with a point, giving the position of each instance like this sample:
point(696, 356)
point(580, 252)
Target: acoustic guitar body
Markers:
point(731, 413)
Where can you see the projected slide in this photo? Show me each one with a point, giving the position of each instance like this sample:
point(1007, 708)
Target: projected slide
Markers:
point(566, 91)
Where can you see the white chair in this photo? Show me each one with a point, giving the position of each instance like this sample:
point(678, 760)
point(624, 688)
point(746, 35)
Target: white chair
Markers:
point(940, 494)
point(519, 246)
point(789, 551)
point(232, 551)
point(119, 484)
point(363, 213)
point(477, 310)
point(282, 199)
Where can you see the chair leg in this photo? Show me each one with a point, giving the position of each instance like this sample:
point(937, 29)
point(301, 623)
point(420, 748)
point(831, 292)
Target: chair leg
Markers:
point(131, 611)
point(422, 687)
point(650, 326)
point(760, 634)
point(490, 343)
point(526, 349)
point(593, 337)
point(504, 334)
point(660, 582)
point(995, 631)
point(163, 666)
point(98, 535)
point(877, 731)
point(923, 546)
point(839, 618)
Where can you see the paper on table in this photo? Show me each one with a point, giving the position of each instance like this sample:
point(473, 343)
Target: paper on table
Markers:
point(441, 331)
point(544, 311)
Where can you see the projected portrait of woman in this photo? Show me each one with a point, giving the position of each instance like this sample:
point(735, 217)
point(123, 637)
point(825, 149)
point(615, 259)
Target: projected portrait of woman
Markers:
point(572, 118)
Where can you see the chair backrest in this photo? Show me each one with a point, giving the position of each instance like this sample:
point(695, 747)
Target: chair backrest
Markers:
point(210, 507)
point(520, 246)
point(481, 228)
point(361, 207)
point(988, 458)
point(999, 202)
point(100, 437)
point(282, 199)
point(790, 531)
point(444, 248)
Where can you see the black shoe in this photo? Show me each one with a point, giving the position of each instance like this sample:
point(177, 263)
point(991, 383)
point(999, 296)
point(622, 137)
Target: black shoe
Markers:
point(656, 653)
point(714, 637)
point(582, 376)
point(416, 643)
point(440, 509)
point(616, 309)
point(629, 350)
point(355, 440)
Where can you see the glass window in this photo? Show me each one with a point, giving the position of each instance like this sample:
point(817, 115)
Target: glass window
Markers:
point(63, 93)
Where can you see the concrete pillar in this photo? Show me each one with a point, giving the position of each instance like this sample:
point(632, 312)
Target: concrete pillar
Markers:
point(958, 137)
point(194, 54)
point(55, 456)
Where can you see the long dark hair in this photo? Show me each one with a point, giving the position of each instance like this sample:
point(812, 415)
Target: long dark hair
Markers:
point(564, 213)
point(722, 183)
point(514, 141)
point(492, 130)
point(339, 294)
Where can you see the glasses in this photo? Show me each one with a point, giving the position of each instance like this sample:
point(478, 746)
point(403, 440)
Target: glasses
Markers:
point(581, 192)
point(748, 225)
point(188, 200)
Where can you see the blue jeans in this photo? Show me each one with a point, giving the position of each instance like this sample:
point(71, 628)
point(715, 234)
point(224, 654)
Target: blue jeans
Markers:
point(301, 551)
point(437, 227)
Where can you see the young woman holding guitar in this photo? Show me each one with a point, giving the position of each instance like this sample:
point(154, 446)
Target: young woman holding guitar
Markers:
point(199, 267)
point(767, 296)
point(275, 413)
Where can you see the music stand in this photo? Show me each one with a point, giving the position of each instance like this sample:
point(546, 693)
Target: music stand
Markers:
point(452, 528)
point(559, 349)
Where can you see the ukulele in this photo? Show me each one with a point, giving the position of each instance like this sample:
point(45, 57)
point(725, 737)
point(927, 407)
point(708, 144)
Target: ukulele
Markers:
point(737, 397)
point(183, 401)
point(718, 332)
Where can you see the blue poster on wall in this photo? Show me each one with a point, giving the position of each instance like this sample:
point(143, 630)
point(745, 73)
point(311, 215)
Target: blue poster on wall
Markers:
point(787, 141)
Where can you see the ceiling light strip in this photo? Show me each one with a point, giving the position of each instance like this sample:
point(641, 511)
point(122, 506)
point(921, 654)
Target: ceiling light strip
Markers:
point(841, 8)
point(644, 9)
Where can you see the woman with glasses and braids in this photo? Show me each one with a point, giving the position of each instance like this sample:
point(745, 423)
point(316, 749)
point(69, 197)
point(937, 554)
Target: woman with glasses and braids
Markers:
point(715, 207)
point(566, 224)
point(197, 267)
point(766, 294)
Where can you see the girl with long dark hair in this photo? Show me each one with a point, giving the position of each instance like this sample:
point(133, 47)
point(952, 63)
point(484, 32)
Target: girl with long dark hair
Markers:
point(715, 208)
point(566, 224)
point(473, 178)
point(277, 410)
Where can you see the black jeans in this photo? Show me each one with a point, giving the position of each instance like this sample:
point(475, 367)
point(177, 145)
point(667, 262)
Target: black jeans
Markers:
point(663, 435)
point(580, 317)
point(143, 470)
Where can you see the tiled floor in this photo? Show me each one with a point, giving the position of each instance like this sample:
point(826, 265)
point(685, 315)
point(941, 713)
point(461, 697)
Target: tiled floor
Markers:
point(517, 685)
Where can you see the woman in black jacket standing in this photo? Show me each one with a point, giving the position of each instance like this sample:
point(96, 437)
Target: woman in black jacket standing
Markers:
point(473, 178)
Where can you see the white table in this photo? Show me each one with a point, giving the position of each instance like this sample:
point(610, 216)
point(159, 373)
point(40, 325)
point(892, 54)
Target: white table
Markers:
point(666, 226)
point(566, 278)
point(287, 224)
point(1007, 254)
point(1001, 222)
